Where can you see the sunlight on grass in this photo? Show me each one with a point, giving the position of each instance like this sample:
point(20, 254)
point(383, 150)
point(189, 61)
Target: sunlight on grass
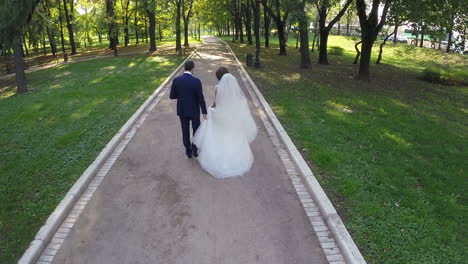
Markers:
point(291, 77)
point(109, 68)
point(339, 107)
point(397, 139)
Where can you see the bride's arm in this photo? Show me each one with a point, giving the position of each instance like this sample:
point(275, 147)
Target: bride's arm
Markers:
point(216, 92)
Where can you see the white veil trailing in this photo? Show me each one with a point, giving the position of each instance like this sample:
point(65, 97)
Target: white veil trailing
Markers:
point(232, 109)
point(223, 139)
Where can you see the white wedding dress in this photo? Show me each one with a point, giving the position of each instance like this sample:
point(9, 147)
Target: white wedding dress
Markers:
point(223, 139)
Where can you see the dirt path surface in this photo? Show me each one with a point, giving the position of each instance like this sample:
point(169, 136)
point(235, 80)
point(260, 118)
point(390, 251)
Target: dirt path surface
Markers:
point(157, 206)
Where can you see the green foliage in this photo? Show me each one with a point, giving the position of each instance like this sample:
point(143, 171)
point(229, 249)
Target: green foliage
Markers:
point(50, 135)
point(391, 153)
point(336, 50)
point(13, 16)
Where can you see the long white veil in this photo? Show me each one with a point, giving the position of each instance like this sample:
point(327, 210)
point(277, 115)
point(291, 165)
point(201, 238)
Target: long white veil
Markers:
point(223, 139)
point(232, 109)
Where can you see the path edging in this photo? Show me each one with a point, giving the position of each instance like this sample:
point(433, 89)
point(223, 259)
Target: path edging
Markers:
point(45, 233)
point(349, 249)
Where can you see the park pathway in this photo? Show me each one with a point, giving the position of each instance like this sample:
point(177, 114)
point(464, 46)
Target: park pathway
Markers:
point(156, 206)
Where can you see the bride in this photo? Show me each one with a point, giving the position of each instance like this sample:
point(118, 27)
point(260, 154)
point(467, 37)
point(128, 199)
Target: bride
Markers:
point(223, 138)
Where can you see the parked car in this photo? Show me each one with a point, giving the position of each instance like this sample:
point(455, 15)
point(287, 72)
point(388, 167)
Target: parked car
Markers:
point(400, 39)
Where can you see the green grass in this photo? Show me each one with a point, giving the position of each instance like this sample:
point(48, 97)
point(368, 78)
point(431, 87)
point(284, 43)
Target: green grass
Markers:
point(391, 154)
point(50, 135)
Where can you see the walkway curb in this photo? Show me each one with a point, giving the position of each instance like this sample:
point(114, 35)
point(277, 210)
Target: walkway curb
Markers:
point(348, 248)
point(45, 233)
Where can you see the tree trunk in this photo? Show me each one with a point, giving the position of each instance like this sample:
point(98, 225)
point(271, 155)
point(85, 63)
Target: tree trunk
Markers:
point(248, 22)
point(323, 54)
point(347, 29)
point(280, 26)
point(421, 43)
point(379, 58)
point(135, 23)
point(112, 34)
point(50, 31)
point(395, 34)
point(44, 48)
point(358, 52)
point(364, 65)
point(146, 31)
point(304, 34)
point(339, 27)
point(256, 9)
point(69, 18)
point(152, 25)
point(25, 46)
point(186, 18)
point(186, 36)
point(178, 31)
point(449, 41)
point(241, 28)
point(21, 82)
point(266, 25)
point(62, 40)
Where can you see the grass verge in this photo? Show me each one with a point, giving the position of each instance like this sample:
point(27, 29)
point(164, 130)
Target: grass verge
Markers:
point(51, 134)
point(390, 153)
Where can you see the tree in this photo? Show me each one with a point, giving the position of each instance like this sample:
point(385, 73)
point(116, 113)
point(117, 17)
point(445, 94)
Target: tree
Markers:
point(279, 12)
point(112, 27)
point(187, 6)
point(126, 17)
point(150, 7)
point(14, 15)
point(178, 4)
point(69, 19)
point(324, 7)
point(246, 10)
point(370, 28)
point(49, 26)
point(256, 14)
point(266, 27)
point(235, 9)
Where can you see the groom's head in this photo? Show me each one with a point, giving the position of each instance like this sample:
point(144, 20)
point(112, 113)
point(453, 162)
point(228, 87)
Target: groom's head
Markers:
point(189, 65)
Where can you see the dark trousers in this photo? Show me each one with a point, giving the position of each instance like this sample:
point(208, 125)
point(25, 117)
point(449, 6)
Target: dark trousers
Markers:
point(185, 124)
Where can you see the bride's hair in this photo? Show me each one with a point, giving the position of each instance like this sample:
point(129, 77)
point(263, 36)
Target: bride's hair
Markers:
point(220, 72)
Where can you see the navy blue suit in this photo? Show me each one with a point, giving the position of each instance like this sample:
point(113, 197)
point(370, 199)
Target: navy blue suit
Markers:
point(188, 91)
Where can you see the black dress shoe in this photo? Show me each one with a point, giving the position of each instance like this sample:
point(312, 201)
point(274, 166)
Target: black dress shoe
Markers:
point(189, 154)
point(195, 153)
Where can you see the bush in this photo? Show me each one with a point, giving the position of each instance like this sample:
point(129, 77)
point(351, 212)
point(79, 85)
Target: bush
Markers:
point(432, 75)
point(335, 50)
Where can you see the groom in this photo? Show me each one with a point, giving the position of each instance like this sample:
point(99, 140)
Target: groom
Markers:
point(188, 91)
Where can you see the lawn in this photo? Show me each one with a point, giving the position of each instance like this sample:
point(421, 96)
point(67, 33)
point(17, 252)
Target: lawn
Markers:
point(51, 134)
point(390, 153)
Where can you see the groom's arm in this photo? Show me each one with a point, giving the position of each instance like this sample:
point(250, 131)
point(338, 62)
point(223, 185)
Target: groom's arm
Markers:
point(173, 94)
point(201, 99)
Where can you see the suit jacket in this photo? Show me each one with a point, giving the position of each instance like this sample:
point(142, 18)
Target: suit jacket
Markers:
point(188, 91)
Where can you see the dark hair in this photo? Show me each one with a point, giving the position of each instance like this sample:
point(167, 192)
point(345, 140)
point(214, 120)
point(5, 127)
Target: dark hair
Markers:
point(189, 65)
point(220, 72)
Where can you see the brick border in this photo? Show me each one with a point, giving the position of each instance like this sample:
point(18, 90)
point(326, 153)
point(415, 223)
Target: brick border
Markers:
point(52, 234)
point(334, 238)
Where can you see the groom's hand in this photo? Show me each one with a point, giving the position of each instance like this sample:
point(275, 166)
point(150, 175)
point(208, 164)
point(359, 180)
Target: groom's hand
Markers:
point(204, 117)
